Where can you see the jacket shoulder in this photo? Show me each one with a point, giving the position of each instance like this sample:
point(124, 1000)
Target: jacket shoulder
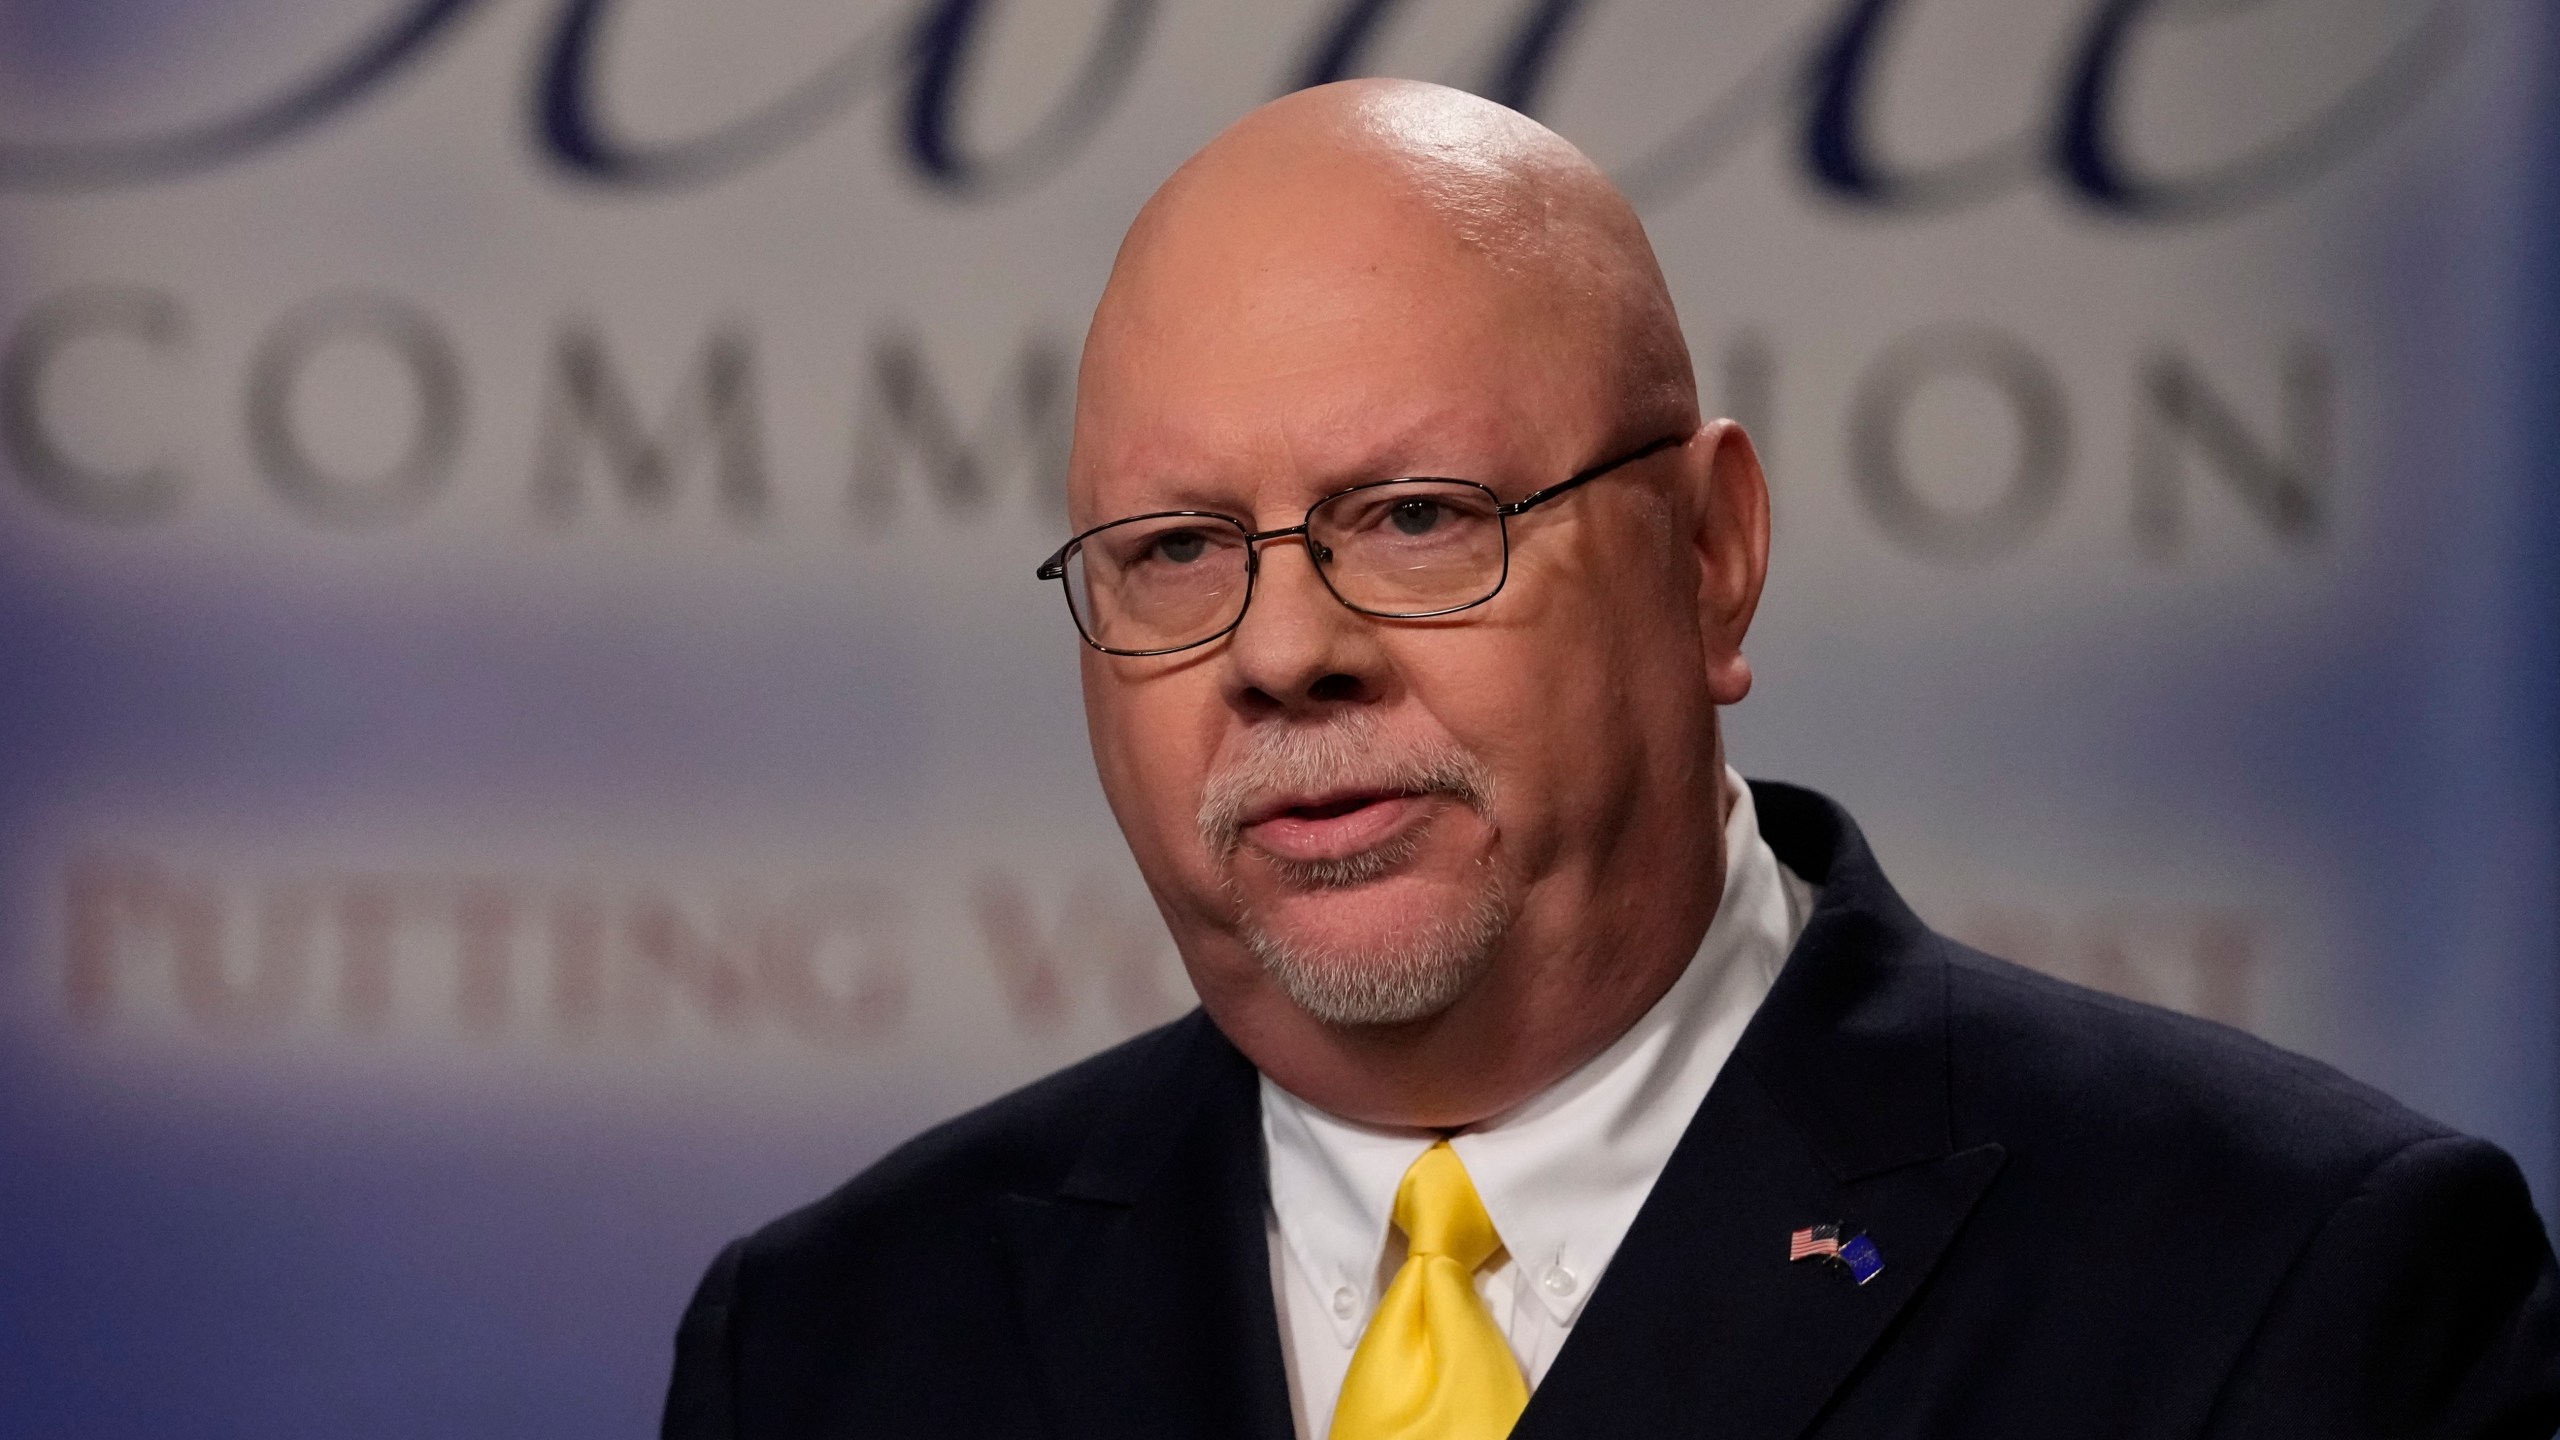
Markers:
point(807, 1323)
point(2128, 1085)
point(1025, 1142)
point(951, 1289)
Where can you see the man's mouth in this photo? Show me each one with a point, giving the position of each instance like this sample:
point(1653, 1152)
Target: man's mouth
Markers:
point(1332, 826)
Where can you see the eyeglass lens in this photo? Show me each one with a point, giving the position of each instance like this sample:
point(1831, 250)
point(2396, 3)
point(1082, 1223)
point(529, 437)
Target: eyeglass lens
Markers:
point(1403, 548)
point(1159, 582)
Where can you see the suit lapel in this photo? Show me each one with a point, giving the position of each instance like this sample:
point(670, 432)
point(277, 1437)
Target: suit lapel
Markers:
point(1834, 1108)
point(1145, 1281)
point(1702, 1320)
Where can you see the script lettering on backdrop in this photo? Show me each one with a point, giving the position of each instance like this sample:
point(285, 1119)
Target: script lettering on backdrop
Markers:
point(543, 957)
point(1822, 86)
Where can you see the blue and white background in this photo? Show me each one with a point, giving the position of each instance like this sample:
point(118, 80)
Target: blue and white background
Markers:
point(528, 743)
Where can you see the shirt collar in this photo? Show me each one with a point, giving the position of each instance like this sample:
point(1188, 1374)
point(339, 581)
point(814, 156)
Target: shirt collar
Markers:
point(1563, 1174)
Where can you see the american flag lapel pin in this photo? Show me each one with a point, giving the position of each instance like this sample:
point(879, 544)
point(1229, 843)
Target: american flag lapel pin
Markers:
point(1857, 1254)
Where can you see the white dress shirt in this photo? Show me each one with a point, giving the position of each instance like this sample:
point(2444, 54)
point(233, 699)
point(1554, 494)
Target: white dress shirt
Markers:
point(1562, 1175)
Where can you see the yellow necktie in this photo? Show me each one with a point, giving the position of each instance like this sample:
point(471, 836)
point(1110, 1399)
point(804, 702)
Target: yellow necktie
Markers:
point(1432, 1366)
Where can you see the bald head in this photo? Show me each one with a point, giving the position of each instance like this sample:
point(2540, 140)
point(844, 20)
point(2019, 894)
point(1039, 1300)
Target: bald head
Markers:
point(1393, 202)
point(1488, 177)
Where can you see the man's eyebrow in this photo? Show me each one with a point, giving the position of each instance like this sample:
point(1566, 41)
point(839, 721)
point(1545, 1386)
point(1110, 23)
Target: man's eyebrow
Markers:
point(1433, 445)
point(1178, 494)
point(1181, 493)
point(1429, 446)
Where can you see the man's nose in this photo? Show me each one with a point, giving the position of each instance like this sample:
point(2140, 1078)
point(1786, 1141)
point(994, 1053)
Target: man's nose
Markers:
point(1298, 647)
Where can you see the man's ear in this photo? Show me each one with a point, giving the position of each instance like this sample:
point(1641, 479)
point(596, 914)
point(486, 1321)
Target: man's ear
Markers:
point(1731, 542)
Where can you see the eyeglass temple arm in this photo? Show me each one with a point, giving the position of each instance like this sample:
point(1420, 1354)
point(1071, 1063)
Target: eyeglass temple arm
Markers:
point(1541, 497)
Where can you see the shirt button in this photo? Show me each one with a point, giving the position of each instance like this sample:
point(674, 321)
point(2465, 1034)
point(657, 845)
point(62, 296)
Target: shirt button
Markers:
point(1345, 1301)
point(1558, 1280)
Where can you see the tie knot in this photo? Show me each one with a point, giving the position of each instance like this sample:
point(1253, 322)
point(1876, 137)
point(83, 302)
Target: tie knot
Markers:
point(1439, 1212)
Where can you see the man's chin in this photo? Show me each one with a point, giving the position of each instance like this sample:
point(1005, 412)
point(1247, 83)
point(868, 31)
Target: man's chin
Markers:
point(1345, 899)
point(1389, 950)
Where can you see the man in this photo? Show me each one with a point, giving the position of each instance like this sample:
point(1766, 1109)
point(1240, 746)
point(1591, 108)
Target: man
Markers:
point(1547, 1076)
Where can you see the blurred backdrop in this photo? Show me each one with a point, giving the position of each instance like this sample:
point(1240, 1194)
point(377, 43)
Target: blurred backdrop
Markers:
point(529, 743)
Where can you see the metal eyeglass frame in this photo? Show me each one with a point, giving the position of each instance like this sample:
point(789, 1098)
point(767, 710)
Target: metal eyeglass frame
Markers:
point(1055, 567)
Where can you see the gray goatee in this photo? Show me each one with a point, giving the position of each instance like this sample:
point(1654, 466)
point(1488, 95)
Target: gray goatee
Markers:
point(1404, 974)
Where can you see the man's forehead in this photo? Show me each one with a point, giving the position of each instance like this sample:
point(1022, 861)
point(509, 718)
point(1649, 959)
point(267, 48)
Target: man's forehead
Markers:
point(1312, 339)
point(1317, 378)
point(1245, 465)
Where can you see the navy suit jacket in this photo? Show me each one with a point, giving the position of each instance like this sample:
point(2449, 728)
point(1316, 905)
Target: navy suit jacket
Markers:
point(2096, 1219)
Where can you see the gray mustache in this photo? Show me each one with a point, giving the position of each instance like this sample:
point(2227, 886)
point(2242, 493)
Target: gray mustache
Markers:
point(1349, 751)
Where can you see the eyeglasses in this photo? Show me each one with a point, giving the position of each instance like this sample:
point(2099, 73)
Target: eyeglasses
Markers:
point(1407, 549)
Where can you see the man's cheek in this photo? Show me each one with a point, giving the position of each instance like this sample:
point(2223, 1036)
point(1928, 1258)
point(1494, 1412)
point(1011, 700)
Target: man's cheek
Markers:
point(1166, 764)
point(1473, 687)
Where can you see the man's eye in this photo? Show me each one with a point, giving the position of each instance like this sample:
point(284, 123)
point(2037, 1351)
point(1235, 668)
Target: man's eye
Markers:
point(1417, 517)
point(1181, 547)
